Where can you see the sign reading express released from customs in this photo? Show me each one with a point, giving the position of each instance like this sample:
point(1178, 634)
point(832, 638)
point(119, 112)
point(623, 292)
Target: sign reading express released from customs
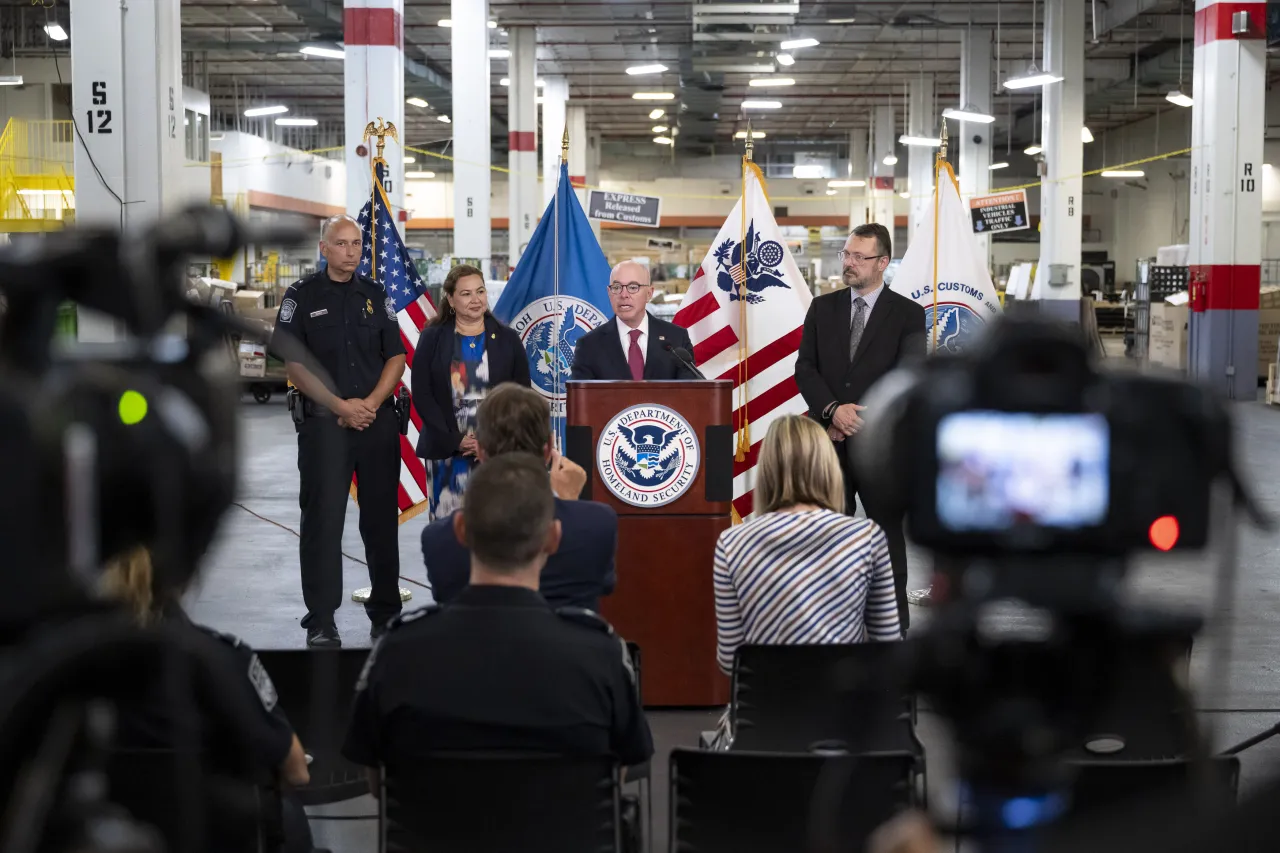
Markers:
point(1000, 212)
point(628, 209)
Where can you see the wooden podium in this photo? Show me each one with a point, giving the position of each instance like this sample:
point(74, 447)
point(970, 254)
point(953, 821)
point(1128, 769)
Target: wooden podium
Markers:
point(661, 454)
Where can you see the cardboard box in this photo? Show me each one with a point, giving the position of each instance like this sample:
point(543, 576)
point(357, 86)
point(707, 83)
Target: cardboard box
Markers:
point(1270, 297)
point(1168, 342)
point(1268, 336)
point(253, 367)
point(249, 299)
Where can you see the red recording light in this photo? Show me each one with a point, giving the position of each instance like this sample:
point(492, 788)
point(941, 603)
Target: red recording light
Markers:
point(1164, 532)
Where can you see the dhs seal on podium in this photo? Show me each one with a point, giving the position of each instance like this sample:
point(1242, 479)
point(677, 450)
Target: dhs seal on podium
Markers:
point(550, 329)
point(647, 455)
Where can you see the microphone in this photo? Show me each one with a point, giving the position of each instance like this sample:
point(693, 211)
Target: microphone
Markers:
point(682, 355)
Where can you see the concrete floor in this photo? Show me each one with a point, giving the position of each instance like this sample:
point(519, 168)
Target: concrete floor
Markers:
point(250, 587)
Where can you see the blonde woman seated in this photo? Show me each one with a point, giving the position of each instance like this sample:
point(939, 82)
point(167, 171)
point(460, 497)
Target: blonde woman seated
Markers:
point(801, 571)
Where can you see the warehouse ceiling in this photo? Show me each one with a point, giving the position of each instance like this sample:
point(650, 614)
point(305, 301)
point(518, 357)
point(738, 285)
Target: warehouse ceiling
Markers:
point(246, 52)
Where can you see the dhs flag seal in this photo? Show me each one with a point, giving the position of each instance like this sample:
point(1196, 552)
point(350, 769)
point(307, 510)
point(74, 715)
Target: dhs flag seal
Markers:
point(550, 329)
point(647, 456)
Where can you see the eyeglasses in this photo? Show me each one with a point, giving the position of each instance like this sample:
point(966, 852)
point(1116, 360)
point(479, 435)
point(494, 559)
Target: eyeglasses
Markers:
point(857, 258)
point(632, 288)
point(346, 244)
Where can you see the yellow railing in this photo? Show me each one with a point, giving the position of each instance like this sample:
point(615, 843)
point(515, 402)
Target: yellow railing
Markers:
point(37, 183)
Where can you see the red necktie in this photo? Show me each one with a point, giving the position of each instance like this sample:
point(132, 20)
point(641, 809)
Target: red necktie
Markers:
point(635, 358)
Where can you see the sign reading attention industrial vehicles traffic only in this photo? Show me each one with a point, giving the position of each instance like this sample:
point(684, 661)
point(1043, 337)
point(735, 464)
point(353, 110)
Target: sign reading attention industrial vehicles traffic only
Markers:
point(628, 209)
point(1000, 212)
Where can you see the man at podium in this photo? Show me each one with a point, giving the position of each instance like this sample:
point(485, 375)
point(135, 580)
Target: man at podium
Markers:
point(636, 345)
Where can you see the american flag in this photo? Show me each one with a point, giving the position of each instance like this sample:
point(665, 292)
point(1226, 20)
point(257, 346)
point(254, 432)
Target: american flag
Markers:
point(753, 341)
point(385, 260)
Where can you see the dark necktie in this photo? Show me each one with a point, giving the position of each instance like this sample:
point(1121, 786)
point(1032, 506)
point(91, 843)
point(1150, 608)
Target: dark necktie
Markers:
point(858, 326)
point(635, 358)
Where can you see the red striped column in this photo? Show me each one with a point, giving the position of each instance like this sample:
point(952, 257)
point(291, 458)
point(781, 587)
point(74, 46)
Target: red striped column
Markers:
point(373, 35)
point(1227, 125)
point(523, 200)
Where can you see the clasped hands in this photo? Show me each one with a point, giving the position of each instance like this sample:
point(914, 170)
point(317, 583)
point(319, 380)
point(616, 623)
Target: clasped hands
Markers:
point(356, 413)
point(845, 421)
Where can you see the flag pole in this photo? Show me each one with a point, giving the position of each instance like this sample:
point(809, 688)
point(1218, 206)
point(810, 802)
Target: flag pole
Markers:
point(555, 283)
point(744, 428)
point(937, 197)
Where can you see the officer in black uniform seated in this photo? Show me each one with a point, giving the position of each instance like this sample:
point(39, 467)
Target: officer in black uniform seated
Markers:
point(497, 669)
point(149, 720)
point(348, 322)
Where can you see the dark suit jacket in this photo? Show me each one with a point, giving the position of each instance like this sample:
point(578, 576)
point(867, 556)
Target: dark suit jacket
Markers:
point(894, 335)
point(432, 392)
point(574, 576)
point(599, 354)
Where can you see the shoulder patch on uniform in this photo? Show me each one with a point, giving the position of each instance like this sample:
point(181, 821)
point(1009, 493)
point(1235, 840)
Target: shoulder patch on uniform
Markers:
point(262, 683)
point(390, 305)
point(586, 618)
point(286, 310)
point(403, 618)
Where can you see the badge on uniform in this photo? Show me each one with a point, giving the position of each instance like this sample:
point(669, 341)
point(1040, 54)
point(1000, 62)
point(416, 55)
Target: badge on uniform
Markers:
point(390, 305)
point(368, 307)
point(286, 310)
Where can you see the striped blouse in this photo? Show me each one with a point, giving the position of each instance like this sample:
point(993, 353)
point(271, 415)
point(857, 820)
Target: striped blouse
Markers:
point(814, 576)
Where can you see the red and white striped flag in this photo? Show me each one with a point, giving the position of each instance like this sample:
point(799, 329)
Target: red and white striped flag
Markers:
point(745, 311)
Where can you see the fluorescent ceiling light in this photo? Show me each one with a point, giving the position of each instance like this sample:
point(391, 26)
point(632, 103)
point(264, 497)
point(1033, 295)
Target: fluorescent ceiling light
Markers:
point(807, 171)
point(662, 140)
point(409, 160)
point(417, 102)
point(539, 82)
point(266, 111)
point(56, 32)
point(1034, 77)
point(926, 141)
point(296, 122)
point(792, 8)
point(1176, 97)
point(1032, 149)
point(762, 105)
point(653, 96)
point(761, 82)
point(444, 22)
point(831, 192)
point(904, 194)
point(11, 80)
point(326, 52)
point(785, 59)
point(995, 166)
point(657, 114)
point(890, 159)
point(493, 25)
point(660, 128)
point(796, 44)
point(1123, 173)
point(846, 183)
point(646, 69)
point(420, 174)
point(841, 20)
point(499, 53)
point(755, 134)
point(444, 119)
point(968, 114)
point(1086, 135)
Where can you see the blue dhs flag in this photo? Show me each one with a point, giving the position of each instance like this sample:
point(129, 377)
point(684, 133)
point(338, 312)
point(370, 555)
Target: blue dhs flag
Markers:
point(551, 313)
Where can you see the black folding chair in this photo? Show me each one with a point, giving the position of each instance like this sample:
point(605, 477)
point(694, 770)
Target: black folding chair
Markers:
point(315, 690)
point(1110, 784)
point(741, 802)
point(191, 808)
point(789, 698)
point(479, 803)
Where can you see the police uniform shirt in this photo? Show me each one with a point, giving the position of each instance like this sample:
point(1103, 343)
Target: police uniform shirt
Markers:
point(349, 327)
point(497, 669)
point(251, 717)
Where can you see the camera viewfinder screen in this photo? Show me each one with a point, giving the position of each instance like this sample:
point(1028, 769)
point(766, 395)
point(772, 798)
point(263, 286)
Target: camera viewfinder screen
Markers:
point(1000, 470)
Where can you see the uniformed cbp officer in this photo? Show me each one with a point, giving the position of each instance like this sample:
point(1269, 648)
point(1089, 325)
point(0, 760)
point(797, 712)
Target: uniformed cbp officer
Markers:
point(497, 669)
point(348, 324)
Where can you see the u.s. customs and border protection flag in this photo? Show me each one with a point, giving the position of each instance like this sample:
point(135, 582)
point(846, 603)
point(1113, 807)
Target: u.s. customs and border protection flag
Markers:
point(383, 258)
point(551, 313)
point(745, 312)
point(943, 250)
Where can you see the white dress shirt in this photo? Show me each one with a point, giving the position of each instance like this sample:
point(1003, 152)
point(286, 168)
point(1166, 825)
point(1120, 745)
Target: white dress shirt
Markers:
point(624, 335)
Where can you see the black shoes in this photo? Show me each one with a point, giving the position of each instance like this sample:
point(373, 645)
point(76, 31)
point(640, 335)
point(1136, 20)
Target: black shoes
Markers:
point(323, 637)
point(377, 629)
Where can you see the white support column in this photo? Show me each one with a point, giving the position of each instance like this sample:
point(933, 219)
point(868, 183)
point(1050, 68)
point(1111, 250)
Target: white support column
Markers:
point(859, 170)
point(576, 116)
point(373, 74)
point(126, 87)
point(884, 135)
point(1229, 81)
point(471, 175)
point(593, 171)
point(1061, 196)
point(975, 92)
point(555, 92)
point(920, 159)
point(524, 202)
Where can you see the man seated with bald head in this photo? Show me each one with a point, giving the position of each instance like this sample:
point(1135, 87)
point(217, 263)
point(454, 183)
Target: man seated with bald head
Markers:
point(635, 344)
